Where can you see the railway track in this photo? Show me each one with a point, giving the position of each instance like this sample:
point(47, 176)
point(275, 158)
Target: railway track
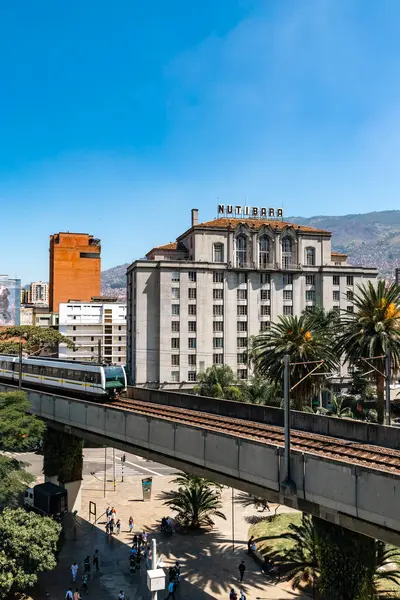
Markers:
point(355, 453)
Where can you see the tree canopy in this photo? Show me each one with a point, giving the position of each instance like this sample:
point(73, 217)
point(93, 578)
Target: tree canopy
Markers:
point(34, 339)
point(218, 382)
point(28, 543)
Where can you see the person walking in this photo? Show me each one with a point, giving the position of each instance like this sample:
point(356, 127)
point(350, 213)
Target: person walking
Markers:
point(69, 595)
point(111, 524)
point(86, 565)
point(242, 595)
point(96, 560)
point(171, 591)
point(113, 512)
point(232, 595)
point(77, 595)
point(121, 595)
point(74, 571)
point(108, 528)
point(242, 568)
point(147, 557)
point(144, 538)
point(130, 524)
point(118, 526)
point(84, 586)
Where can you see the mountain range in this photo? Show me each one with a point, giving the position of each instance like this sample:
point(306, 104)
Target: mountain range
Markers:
point(370, 239)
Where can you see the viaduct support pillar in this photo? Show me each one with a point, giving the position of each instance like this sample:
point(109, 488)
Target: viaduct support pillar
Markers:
point(63, 462)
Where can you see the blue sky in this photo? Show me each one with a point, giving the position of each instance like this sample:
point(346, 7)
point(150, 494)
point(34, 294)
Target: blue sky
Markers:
point(118, 118)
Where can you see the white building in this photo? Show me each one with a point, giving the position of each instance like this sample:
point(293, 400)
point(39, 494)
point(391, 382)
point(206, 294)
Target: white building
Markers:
point(197, 301)
point(39, 293)
point(98, 330)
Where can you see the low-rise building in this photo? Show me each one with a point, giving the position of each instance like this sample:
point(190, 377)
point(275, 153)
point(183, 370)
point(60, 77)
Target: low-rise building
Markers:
point(97, 328)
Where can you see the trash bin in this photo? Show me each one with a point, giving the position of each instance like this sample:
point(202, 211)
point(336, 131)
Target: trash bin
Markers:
point(146, 487)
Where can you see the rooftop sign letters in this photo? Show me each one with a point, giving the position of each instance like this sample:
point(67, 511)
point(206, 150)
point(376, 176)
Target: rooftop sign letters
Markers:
point(249, 211)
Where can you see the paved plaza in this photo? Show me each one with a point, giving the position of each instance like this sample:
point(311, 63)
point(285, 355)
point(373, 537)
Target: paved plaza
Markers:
point(209, 561)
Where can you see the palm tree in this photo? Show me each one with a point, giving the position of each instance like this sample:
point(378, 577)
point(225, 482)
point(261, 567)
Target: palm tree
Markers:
point(337, 408)
point(371, 330)
point(387, 565)
point(306, 342)
point(261, 391)
point(195, 501)
point(305, 571)
point(218, 382)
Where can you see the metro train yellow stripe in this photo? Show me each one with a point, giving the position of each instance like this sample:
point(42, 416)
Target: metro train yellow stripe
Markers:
point(52, 379)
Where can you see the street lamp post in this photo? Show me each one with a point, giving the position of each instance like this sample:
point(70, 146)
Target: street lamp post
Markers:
point(286, 400)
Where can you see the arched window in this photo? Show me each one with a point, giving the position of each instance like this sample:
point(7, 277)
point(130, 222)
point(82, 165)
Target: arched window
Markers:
point(263, 251)
point(241, 251)
point(218, 253)
point(287, 252)
point(310, 257)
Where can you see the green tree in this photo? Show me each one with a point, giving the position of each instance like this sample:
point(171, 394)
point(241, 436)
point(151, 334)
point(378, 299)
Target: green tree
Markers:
point(337, 407)
point(305, 341)
point(218, 382)
point(13, 481)
point(195, 501)
point(34, 339)
point(28, 543)
point(303, 555)
point(373, 328)
point(261, 391)
point(19, 430)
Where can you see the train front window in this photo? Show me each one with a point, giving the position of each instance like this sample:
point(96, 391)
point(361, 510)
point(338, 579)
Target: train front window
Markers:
point(115, 377)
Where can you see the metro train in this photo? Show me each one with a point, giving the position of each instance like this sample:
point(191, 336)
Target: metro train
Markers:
point(91, 380)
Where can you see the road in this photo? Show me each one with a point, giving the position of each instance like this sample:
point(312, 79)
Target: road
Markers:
point(94, 460)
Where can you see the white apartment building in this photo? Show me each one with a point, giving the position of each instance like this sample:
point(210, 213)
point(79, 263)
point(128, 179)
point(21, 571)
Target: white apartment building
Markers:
point(98, 330)
point(197, 301)
point(39, 293)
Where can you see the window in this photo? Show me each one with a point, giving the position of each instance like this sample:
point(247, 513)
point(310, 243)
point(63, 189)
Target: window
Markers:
point(175, 376)
point(74, 328)
point(74, 339)
point(265, 295)
point(175, 310)
point(336, 309)
point(218, 294)
point(107, 329)
point(241, 310)
point(218, 277)
point(350, 280)
point(241, 358)
point(349, 295)
point(241, 278)
point(119, 338)
point(265, 278)
point(92, 349)
point(218, 326)
point(241, 342)
point(175, 360)
point(310, 257)
point(191, 375)
point(218, 253)
point(242, 294)
point(218, 359)
point(218, 342)
point(192, 310)
point(119, 348)
point(350, 309)
point(263, 251)
point(175, 326)
point(108, 340)
point(336, 296)
point(288, 310)
point(241, 325)
point(175, 276)
point(92, 339)
point(192, 293)
point(192, 276)
point(287, 295)
point(287, 279)
point(174, 342)
point(192, 326)
point(287, 252)
point(310, 279)
point(192, 360)
point(265, 310)
point(265, 325)
point(241, 251)
point(241, 373)
point(310, 296)
point(192, 343)
point(175, 293)
point(218, 310)
point(336, 280)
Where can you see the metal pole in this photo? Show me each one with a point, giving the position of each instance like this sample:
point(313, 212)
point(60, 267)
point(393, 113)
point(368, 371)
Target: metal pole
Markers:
point(115, 483)
point(286, 386)
point(153, 562)
point(105, 469)
point(387, 411)
point(20, 366)
point(233, 520)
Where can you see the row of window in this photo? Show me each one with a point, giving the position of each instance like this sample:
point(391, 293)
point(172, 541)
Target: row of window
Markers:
point(265, 278)
point(56, 372)
point(265, 252)
point(175, 376)
point(349, 295)
point(107, 329)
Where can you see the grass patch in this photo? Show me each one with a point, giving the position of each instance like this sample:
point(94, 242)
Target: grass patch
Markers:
point(268, 534)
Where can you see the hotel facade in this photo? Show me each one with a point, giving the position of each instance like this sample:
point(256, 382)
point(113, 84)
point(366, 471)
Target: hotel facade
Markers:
point(196, 302)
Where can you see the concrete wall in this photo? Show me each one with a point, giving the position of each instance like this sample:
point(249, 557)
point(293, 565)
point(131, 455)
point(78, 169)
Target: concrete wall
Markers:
point(357, 497)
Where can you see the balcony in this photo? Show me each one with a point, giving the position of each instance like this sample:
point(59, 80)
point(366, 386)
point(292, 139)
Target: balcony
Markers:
point(289, 266)
point(248, 266)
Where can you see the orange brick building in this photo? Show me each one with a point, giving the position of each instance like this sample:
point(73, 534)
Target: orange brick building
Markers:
point(75, 267)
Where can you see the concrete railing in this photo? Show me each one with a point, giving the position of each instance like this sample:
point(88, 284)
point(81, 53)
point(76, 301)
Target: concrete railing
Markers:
point(349, 429)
